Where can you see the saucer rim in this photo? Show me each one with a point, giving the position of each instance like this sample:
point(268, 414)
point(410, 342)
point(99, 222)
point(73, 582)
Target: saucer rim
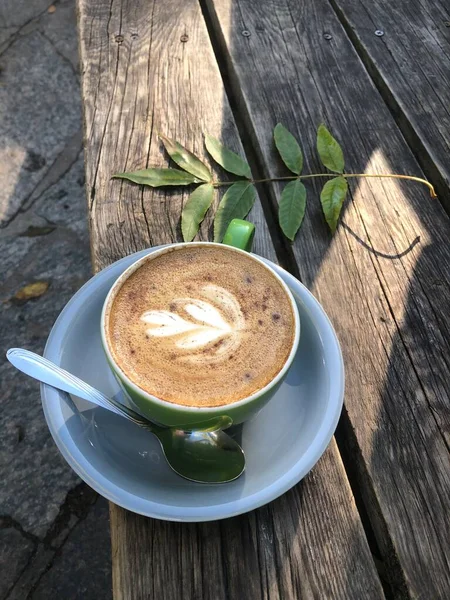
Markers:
point(127, 500)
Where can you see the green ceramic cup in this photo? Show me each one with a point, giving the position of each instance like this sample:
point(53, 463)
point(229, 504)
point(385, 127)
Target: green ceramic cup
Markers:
point(238, 237)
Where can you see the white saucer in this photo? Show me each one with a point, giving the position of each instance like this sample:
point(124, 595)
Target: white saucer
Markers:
point(124, 463)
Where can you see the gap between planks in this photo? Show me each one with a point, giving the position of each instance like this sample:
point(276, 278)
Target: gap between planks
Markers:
point(283, 248)
point(412, 137)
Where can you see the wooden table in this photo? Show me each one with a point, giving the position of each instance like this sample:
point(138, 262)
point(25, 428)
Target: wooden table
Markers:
point(372, 518)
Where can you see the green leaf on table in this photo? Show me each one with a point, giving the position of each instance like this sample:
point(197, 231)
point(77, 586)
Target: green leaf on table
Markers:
point(235, 204)
point(185, 159)
point(288, 148)
point(159, 177)
point(332, 197)
point(291, 209)
point(227, 159)
point(195, 209)
point(329, 150)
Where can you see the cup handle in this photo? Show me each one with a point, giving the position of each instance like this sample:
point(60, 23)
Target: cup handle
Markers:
point(239, 234)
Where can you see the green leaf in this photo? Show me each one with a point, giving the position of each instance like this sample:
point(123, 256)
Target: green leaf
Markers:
point(159, 177)
point(329, 150)
point(227, 159)
point(235, 204)
point(288, 148)
point(185, 159)
point(292, 208)
point(194, 210)
point(332, 197)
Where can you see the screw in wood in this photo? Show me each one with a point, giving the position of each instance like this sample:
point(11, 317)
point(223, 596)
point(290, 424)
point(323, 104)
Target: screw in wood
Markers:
point(184, 38)
point(246, 33)
point(379, 33)
point(119, 39)
point(328, 36)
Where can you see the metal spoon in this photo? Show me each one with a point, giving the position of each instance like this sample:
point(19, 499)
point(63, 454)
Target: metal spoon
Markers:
point(204, 453)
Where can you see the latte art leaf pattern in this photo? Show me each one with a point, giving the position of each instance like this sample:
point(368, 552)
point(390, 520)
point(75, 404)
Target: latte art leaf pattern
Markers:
point(216, 317)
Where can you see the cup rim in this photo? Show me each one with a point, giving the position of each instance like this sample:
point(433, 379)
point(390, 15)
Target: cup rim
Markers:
point(196, 409)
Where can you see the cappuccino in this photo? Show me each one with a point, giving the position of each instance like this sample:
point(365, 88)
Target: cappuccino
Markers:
point(200, 326)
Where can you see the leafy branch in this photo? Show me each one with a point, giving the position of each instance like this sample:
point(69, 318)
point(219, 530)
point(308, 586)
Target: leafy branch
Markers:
point(240, 196)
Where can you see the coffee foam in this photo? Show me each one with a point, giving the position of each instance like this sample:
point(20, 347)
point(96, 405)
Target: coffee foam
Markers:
point(201, 326)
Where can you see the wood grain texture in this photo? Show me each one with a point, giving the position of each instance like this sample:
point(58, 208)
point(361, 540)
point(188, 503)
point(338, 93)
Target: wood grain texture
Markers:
point(146, 67)
point(410, 63)
point(273, 553)
point(139, 76)
point(383, 278)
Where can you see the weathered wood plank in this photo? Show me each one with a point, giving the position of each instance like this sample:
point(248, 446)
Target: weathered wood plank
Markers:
point(410, 64)
point(384, 278)
point(140, 76)
point(144, 72)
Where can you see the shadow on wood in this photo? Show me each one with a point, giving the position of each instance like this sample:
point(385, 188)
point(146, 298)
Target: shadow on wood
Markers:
point(297, 66)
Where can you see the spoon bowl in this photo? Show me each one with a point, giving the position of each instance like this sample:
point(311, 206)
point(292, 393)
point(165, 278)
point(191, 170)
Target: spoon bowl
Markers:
point(201, 455)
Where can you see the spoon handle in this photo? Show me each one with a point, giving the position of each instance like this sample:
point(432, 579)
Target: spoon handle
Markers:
point(47, 372)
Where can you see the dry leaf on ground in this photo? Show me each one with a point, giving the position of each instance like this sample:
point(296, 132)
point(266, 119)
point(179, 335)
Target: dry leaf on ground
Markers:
point(31, 291)
point(34, 231)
